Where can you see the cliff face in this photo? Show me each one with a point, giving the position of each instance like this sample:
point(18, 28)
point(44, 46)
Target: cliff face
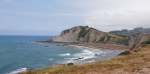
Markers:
point(84, 34)
point(137, 39)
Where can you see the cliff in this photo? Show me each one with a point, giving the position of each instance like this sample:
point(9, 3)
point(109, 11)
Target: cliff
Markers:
point(84, 34)
point(136, 39)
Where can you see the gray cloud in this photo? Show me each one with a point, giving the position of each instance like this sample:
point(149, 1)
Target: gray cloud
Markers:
point(135, 13)
point(105, 15)
point(115, 14)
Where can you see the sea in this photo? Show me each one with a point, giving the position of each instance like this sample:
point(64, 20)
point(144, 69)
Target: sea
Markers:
point(20, 53)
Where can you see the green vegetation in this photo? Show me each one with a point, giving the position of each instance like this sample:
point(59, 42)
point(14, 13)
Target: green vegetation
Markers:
point(66, 31)
point(129, 63)
point(125, 53)
point(83, 32)
point(70, 64)
point(126, 32)
point(121, 35)
point(112, 35)
point(146, 42)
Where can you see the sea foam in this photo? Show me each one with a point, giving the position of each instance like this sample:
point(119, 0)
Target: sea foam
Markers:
point(17, 71)
point(66, 54)
point(85, 54)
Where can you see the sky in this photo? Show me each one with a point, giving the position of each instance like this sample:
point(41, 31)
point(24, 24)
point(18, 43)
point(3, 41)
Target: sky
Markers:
point(50, 17)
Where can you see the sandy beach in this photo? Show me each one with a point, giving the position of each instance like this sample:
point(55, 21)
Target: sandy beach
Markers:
point(105, 46)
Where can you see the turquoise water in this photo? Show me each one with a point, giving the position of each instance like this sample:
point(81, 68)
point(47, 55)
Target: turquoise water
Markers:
point(23, 52)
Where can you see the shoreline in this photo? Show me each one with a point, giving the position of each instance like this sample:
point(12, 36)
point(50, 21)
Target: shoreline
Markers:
point(104, 46)
point(135, 62)
point(95, 45)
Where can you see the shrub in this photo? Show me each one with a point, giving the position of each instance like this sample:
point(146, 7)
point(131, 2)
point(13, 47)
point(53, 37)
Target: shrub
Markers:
point(70, 64)
point(136, 50)
point(146, 42)
point(83, 32)
point(125, 53)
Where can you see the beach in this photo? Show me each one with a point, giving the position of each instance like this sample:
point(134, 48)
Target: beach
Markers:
point(104, 46)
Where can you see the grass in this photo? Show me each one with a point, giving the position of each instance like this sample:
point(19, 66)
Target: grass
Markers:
point(113, 35)
point(134, 60)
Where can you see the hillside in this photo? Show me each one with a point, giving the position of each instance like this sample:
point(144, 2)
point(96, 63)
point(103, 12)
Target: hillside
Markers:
point(129, 62)
point(136, 39)
point(126, 32)
point(85, 34)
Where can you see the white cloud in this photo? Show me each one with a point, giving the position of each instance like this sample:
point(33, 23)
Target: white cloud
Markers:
point(104, 15)
point(118, 14)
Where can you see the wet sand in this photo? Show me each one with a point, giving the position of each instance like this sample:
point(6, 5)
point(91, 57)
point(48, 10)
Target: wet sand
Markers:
point(105, 46)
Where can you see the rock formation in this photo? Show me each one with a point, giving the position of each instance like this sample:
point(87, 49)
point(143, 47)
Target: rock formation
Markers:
point(90, 35)
point(136, 39)
point(84, 34)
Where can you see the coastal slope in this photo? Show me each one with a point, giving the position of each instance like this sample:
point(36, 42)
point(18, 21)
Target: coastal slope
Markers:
point(84, 34)
point(136, 39)
point(128, 62)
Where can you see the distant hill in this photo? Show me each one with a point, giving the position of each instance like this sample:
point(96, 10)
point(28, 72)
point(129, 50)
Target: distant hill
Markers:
point(126, 32)
point(84, 34)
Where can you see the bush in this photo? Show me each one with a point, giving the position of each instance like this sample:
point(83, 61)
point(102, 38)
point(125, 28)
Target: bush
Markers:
point(70, 64)
point(125, 53)
point(136, 50)
point(146, 42)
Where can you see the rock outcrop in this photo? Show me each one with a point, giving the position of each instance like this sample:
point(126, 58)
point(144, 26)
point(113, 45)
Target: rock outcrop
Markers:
point(84, 34)
point(136, 39)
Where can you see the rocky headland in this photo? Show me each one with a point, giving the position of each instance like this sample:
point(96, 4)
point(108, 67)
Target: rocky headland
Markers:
point(85, 34)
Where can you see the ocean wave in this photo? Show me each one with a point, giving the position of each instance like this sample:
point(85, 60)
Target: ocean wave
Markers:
point(67, 54)
point(17, 71)
point(86, 54)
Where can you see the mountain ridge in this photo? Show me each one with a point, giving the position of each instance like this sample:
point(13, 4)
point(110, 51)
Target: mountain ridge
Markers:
point(84, 34)
point(131, 32)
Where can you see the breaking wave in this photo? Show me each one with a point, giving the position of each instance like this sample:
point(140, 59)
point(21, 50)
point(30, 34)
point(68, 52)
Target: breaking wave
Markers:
point(17, 71)
point(67, 54)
